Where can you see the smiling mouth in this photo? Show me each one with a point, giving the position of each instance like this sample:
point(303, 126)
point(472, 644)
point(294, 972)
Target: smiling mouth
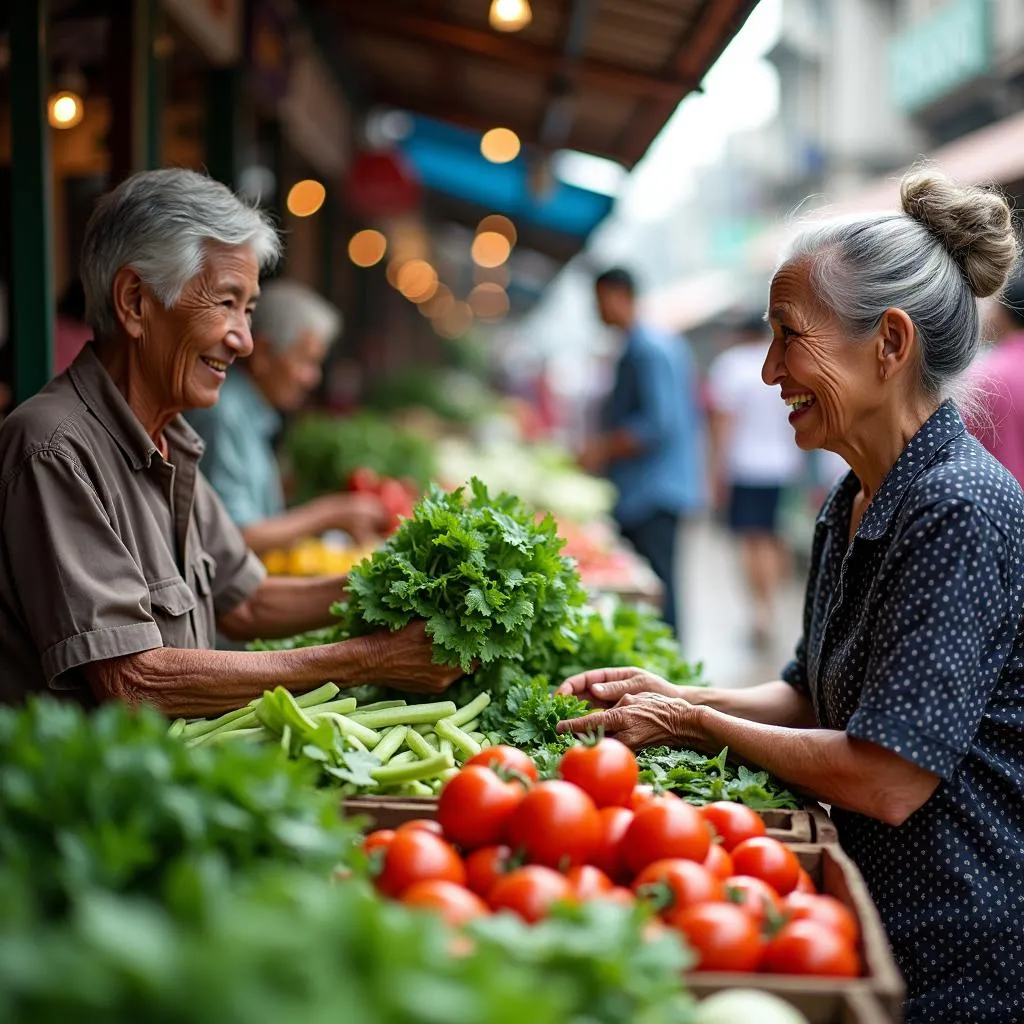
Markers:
point(798, 402)
point(215, 364)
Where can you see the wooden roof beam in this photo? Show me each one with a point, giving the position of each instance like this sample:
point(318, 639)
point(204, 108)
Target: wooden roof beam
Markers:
point(359, 16)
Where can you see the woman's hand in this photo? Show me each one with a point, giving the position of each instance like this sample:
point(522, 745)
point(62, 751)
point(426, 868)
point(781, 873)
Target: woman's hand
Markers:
point(638, 720)
point(404, 660)
point(604, 687)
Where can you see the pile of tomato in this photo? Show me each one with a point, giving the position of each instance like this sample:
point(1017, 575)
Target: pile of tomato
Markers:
point(503, 841)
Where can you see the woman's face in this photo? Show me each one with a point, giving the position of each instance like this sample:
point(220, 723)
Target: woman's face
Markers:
point(186, 351)
point(829, 381)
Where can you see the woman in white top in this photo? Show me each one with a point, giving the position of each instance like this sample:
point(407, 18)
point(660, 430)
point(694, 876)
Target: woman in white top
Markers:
point(754, 458)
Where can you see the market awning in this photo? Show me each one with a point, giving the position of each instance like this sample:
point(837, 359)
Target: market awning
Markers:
point(597, 76)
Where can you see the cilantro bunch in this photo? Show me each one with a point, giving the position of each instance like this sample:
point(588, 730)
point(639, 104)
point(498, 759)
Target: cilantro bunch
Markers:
point(488, 577)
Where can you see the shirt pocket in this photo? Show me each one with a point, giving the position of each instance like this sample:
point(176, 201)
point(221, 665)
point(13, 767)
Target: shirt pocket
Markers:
point(204, 572)
point(173, 603)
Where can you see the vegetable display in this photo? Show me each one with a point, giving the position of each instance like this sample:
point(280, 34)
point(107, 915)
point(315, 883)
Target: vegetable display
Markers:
point(529, 847)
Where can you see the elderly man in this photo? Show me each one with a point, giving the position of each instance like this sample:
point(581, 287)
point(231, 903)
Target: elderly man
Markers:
point(118, 562)
point(292, 330)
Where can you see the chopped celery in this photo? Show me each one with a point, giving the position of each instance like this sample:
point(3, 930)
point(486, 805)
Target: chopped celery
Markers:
point(418, 745)
point(393, 774)
point(471, 710)
point(367, 737)
point(411, 714)
point(459, 740)
point(391, 743)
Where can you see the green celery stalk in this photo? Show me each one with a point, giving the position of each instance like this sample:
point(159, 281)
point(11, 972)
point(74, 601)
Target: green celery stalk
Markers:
point(230, 735)
point(412, 714)
point(177, 727)
point(471, 710)
point(419, 746)
point(390, 743)
point(403, 757)
point(319, 696)
point(393, 774)
point(445, 747)
point(459, 740)
point(424, 728)
point(353, 730)
point(416, 788)
point(478, 736)
point(470, 726)
point(381, 705)
point(202, 726)
point(342, 707)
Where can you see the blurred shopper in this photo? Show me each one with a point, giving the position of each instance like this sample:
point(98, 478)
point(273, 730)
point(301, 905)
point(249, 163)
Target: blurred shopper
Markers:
point(651, 438)
point(999, 375)
point(754, 459)
point(293, 329)
point(71, 331)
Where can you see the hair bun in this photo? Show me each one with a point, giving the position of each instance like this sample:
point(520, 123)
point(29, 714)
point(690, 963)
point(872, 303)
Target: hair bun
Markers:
point(972, 223)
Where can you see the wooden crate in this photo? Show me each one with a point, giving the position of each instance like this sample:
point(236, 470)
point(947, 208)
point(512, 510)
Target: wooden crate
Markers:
point(821, 1000)
point(391, 811)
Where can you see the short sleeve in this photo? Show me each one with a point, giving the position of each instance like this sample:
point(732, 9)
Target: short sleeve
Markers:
point(82, 595)
point(238, 572)
point(945, 597)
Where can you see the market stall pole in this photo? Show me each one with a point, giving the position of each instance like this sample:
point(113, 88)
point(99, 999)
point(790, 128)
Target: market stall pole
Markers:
point(31, 204)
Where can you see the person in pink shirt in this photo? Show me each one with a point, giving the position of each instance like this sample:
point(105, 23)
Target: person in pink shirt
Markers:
point(1000, 377)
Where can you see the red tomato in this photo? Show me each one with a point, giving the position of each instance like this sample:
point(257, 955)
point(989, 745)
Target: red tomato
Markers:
point(754, 896)
point(509, 758)
point(475, 807)
point(415, 856)
point(456, 904)
point(642, 794)
point(806, 884)
point(530, 892)
point(608, 856)
point(485, 866)
point(423, 824)
point(605, 770)
point(718, 862)
point(556, 823)
point(363, 481)
point(769, 860)
point(663, 829)
point(806, 947)
point(588, 881)
point(733, 822)
point(395, 499)
point(721, 936)
point(825, 910)
point(677, 883)
point(379, 840)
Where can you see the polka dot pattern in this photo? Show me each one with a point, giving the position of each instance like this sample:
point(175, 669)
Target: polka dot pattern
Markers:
point(913, 639)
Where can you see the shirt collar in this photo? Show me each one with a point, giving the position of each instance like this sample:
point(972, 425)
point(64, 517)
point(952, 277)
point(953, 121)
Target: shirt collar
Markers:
point(108, 405)
point(941, 427)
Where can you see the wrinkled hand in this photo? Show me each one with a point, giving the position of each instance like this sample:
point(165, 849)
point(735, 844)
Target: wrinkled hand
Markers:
point(604, 687)
point(360, 515)
point(639, 720)
point(404, 660)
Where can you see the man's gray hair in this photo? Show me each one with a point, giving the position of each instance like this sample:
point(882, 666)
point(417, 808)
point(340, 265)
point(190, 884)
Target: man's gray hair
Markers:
point(158, 223)
point(287, 310)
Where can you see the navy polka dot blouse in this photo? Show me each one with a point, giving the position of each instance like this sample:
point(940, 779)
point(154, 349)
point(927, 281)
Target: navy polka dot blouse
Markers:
point(913, 639)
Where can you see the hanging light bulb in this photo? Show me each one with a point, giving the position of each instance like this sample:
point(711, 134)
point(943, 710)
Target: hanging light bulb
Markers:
point(65, 107)
point(510, 15)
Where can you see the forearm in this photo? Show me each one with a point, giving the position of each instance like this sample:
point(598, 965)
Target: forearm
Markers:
point(193, 684)
point(828, 764)
point(283, 606)
point(286, 529)
point(775, 703)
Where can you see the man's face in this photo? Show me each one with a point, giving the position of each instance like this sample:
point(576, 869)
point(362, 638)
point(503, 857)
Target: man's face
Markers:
point(286, 378)
point(615, 305)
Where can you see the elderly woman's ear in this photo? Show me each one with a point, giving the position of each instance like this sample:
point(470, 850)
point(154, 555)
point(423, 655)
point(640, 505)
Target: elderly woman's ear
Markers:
point(897, 343)
point(129, 301)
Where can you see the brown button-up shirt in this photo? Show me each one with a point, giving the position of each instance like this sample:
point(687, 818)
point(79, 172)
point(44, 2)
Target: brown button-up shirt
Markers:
point(107, 549)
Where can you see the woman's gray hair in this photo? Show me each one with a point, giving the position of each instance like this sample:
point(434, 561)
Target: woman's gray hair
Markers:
point(158, 223)
point(287, 310)
point(950, 246)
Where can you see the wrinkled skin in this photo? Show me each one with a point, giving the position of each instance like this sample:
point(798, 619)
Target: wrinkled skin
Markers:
point(159, 365)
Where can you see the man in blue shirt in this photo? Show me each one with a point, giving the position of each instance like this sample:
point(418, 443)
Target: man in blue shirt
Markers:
point(292, 330)
point(651, 443)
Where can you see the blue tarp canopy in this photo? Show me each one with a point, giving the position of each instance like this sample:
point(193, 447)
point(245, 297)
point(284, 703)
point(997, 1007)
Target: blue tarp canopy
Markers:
point(448, 160)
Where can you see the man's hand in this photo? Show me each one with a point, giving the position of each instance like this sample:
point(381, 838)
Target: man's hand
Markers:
point(360, 515)
point(404, 660)
point(604, 687)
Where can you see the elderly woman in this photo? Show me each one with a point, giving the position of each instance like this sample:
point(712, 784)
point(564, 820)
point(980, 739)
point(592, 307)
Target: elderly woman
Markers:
point(904, 705)
point(292, 330)
point(118, 561)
